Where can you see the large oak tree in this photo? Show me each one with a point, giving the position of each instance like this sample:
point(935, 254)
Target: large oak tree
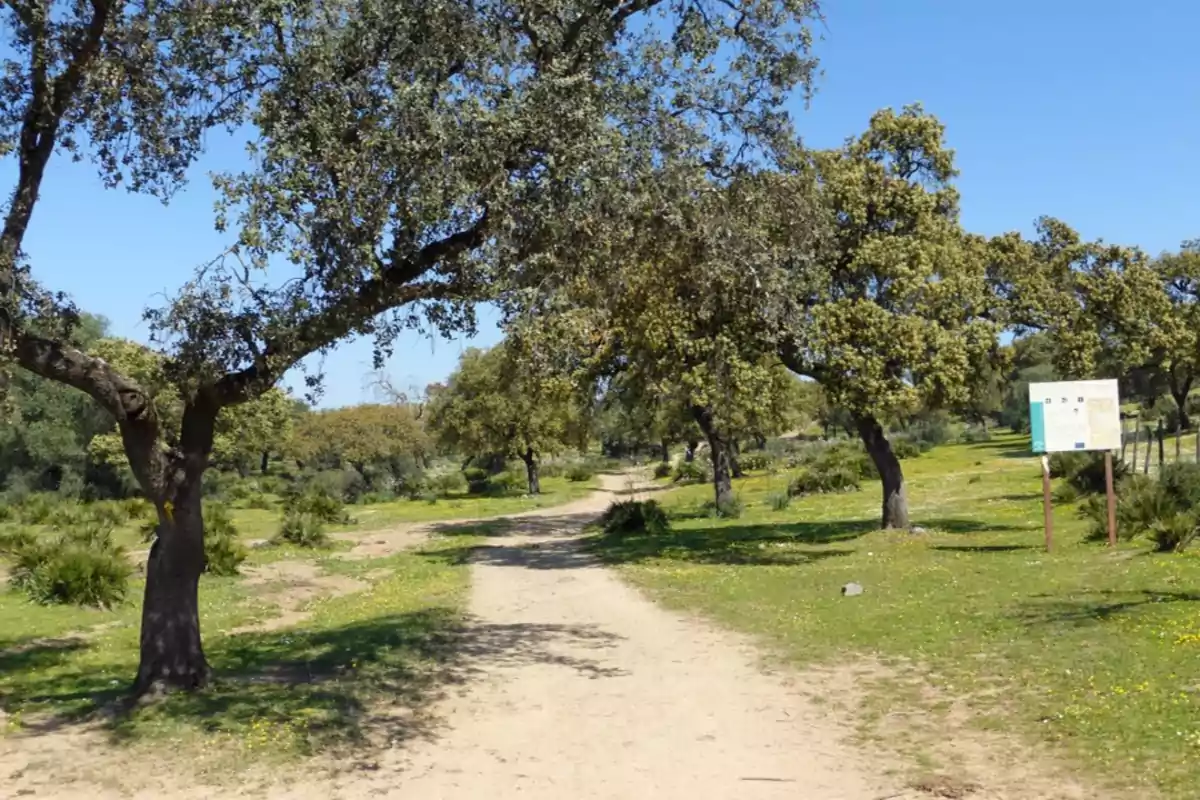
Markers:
point(406, 153)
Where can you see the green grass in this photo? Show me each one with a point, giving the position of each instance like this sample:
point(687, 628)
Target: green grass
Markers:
point(1087, 648)
point(278, 695)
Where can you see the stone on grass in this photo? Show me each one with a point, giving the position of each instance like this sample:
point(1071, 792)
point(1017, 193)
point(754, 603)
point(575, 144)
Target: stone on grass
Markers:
point(852, 590)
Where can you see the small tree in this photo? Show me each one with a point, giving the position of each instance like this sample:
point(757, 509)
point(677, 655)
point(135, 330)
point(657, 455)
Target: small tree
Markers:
point(898, 312)
point(492, 404)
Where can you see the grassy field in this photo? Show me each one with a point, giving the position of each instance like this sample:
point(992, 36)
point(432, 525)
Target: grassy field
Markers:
point(280, 693)
point(1093, 650)
point(263, 523)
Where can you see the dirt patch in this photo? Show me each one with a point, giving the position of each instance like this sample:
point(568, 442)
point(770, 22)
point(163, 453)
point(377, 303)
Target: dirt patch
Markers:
point(291, 585)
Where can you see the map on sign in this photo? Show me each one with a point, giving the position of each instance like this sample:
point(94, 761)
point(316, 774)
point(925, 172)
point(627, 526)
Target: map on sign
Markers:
point(1075, 415)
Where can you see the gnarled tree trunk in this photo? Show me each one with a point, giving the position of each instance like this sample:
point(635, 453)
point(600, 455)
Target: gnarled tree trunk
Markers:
point(719, 447)
point(895, 499)
point(1180, 388)
point(172, 656)
point(531, 471)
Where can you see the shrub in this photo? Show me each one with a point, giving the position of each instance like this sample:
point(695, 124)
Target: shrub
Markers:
point(35, 509)
point(819, 479)
point(580, 473)
point(756, 462)
point(975, 435)
point(635, 516)
point(447, 483)
point(662, 470)
point(553, 469)
point(779, 501)
point(689, 472)
point(1174, 533)
point(137, 507)
point(14, 540)
point(429, 497)
point(321, 504)
point(370, 498)
point(68, 516)
point(257, 500)
point(1165, 510)
point(109, 512)
point(1085, 471)
point(223, 551)
point(81, 567)
point(508, 482)
point(730, 509)
point(905, 448)
point(302, 530)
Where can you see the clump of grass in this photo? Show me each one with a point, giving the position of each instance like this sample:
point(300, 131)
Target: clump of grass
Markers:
point(779, 501)
point(732, 508)
point(81, 566)
point(302, 530)
point(223, 551)
point(580, 473)
point(635, 516)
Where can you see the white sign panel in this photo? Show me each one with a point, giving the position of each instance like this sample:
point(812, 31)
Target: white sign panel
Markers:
point(1075, 415)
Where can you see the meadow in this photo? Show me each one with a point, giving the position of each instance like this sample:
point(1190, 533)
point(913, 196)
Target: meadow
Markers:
point(1090, 649)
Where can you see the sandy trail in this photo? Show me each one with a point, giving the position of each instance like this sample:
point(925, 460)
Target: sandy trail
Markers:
point(578, 688)
point(584, 689)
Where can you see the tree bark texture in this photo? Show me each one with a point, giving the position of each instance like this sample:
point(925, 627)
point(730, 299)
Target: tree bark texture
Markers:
point(895, 498)
point(719, 447)
point(531, 471)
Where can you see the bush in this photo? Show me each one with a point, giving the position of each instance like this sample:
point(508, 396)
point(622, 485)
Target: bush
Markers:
point(662, 470)
point(903, 448)
point(819, 479)
point(81, 567)
point(1085, 471)
point(508, 482)
point(109, 512)
point(302, 530)
point(580, 473)
point(635, 516)
point(71, 515)
point(975, 434)
point(447, 483)
point(320, 503)
point(730, 509)
point(257, 500)
point(371, 498)
point(36, 509)
point(1165, 510)
point(137, 507)
point(779, 501)
point(553, 469)
point(223, 551)
point(689, 472)
point(756, 462)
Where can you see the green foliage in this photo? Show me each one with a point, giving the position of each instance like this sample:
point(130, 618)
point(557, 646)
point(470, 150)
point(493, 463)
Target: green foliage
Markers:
point(302, 529)
point(448, 483)
point(663, 469)
point(819, 478)
point(904, 448)
point(635, 516)
point(223, 550)
point(81, 566)
point(1165, 509)
point(975, 435)
point(36, 509)
point(1085, 471)
point(580, 473)
point(756, 462)
point(690, 472)
point(729, 509)
point(779, 501)
point(319, 502)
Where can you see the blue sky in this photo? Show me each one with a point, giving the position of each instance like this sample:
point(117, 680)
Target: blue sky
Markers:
point(1087, 111)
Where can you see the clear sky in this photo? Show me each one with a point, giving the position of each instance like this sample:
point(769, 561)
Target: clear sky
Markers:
point(1085, 110)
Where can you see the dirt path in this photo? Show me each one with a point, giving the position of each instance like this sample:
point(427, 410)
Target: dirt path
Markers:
point(584, 689)
point(577, 687)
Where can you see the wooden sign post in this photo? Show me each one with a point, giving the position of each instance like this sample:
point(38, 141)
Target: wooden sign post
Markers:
point(1046, 508)
point(1112, 498)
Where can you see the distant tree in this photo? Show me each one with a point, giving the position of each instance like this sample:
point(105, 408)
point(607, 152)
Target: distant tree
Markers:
point(360, 437)
point(493, 404)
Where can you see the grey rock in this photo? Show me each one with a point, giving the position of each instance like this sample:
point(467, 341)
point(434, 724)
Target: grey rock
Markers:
point(852, 590)
point(916, 530)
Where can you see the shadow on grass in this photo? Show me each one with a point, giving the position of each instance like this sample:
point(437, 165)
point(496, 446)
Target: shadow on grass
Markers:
point(762, 545)
point(33, 654)
point(948, 525)
point(1095, 607)
point(343, 689)
point(983, 548)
